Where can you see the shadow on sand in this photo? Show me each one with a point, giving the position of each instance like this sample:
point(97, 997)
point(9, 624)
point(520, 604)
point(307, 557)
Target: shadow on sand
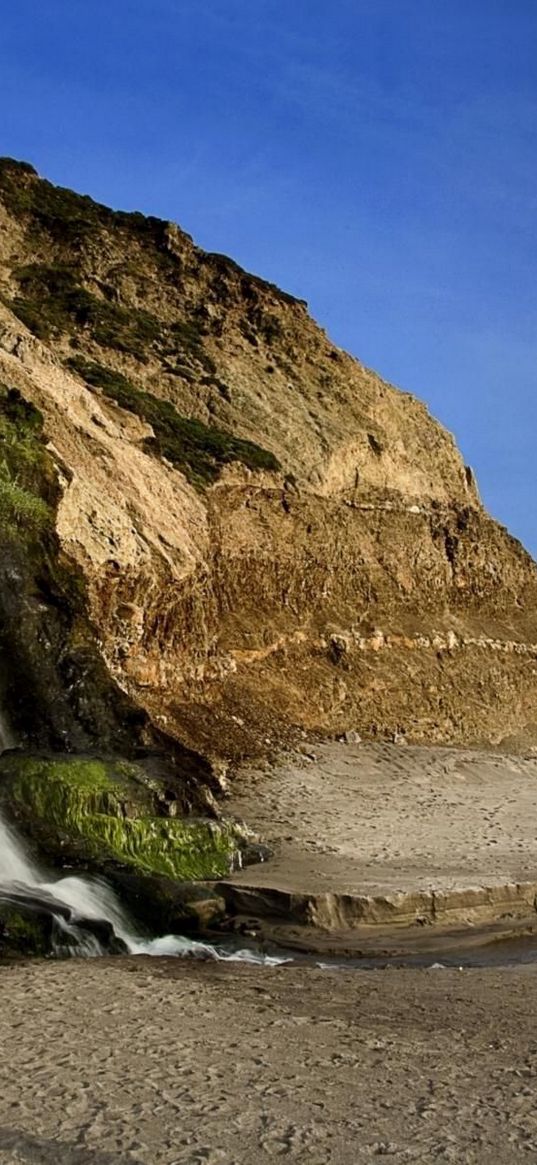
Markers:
point(42, 1151)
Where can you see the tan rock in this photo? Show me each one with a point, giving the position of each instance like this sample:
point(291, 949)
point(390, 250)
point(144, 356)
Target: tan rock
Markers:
point(363, 586)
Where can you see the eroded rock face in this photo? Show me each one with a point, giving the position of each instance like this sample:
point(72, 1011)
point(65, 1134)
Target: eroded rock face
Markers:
point(271, 536)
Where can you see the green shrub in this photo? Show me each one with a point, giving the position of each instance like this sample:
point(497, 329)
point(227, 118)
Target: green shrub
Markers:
point(26, 485)
point(66, 216)
point(51, 300)
point(198, 450)
point(17, 505)
point(12, 165)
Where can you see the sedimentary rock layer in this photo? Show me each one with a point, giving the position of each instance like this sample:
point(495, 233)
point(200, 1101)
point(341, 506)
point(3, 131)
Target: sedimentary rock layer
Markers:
point(271, 536)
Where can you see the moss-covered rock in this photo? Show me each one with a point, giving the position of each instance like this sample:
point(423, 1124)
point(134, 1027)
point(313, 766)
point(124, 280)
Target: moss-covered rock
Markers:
point(111, 813)
point(24, 931)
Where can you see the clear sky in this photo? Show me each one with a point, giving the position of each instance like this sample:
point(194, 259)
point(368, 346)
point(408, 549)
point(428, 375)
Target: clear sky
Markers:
point(375, 157)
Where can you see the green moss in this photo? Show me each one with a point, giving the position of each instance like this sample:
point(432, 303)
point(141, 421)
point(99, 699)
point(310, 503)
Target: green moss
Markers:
point(61, 791)
point(198, 450)
point(179, 849)
point(109, 812)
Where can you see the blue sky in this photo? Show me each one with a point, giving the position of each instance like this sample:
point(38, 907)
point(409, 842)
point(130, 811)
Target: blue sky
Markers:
point(375, 157)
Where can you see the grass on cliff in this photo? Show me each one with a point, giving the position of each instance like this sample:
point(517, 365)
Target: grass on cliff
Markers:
point(26, 483)
point(29, 495)
point(198, 450)
point(66, 216)
point(51, 301)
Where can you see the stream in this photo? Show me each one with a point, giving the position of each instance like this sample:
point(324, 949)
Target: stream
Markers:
point(87, 920)
point(87, 916)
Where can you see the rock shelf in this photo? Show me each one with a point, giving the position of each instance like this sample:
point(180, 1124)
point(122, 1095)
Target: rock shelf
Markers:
point(390, 835)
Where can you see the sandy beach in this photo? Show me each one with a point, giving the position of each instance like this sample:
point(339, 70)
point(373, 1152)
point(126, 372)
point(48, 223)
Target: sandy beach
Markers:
point(370, 836)
point(388, 817)
point(268, 583)
point(140, 1061)
point(162, 1062)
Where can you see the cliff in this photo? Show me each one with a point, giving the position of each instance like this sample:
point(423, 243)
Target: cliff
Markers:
point(269, 536)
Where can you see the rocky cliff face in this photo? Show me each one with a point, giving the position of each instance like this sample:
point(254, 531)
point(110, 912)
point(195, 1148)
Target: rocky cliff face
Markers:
point(271, 536)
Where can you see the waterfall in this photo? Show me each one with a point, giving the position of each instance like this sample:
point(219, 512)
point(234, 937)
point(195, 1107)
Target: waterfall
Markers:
point(7, 739)
point(72, 900)
point(14, 864)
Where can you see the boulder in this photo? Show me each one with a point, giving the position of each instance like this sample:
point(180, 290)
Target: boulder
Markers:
point(31, 924)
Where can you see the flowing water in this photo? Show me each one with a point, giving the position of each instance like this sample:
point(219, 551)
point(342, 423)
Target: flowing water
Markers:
point(7, 739)
point(72, 899)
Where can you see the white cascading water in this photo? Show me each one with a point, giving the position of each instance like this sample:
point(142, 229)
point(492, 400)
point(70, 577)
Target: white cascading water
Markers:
point(6, 736)
point(92, 898)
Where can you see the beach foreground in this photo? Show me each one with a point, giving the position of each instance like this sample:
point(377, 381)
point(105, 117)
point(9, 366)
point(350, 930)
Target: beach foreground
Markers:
point(365, 837)
point(166, 1062)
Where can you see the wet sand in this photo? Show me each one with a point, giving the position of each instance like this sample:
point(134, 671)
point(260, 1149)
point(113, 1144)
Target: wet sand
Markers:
point(163, 1062)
